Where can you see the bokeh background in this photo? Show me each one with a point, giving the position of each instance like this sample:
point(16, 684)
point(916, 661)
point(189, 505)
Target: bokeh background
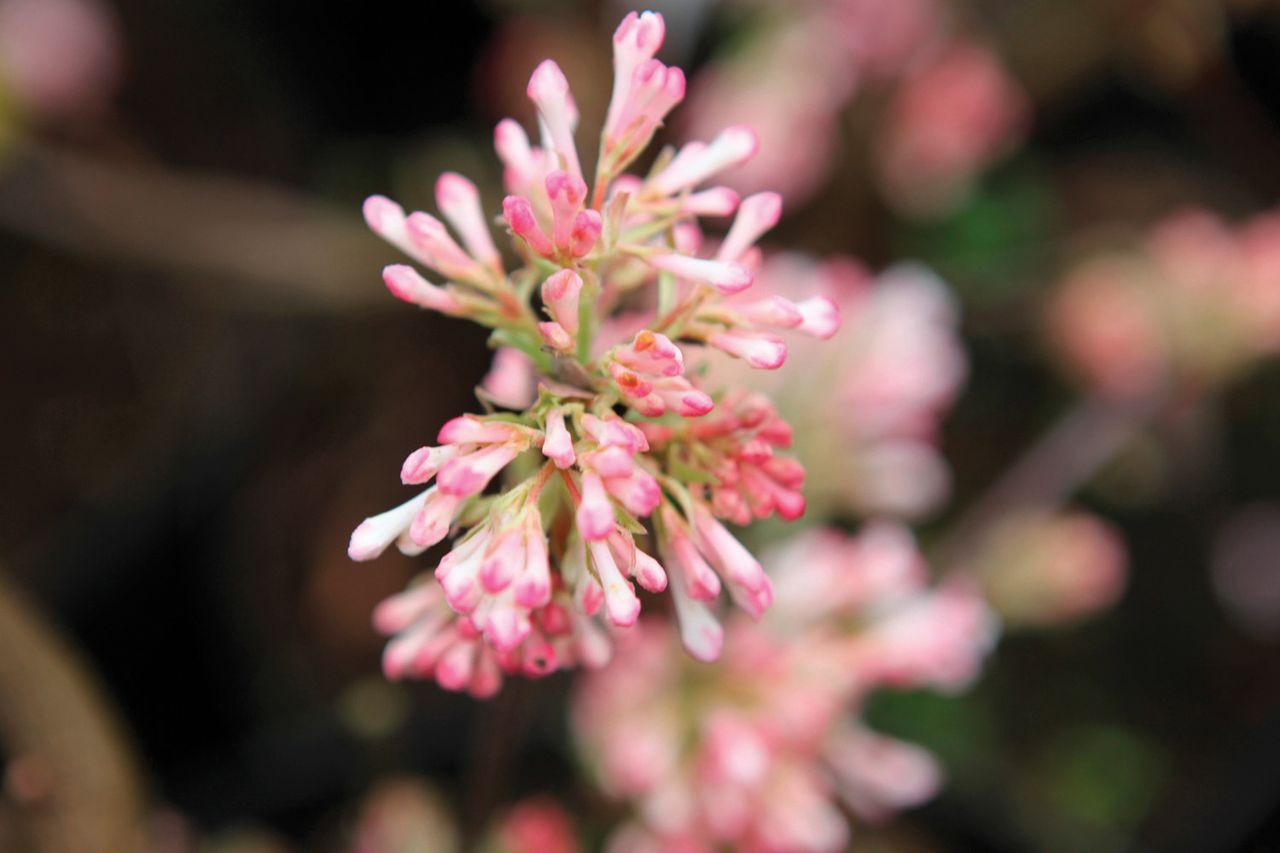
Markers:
point(205, 385)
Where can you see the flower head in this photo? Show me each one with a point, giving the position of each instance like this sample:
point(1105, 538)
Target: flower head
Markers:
point(612, 468)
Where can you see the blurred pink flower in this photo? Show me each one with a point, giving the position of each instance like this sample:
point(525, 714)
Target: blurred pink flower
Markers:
point(1051, 569)
point(798, 69)
point(536, 825)
point(948, 122)
point(1193, 305)
point(868, 418)
point(59, 58)
point(756, 753)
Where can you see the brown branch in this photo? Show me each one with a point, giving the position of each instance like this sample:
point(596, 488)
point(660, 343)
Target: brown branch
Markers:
point(70, 769)
point(262, 246)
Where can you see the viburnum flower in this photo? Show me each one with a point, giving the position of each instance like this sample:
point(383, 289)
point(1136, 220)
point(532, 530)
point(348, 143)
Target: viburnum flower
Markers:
point(1191, 307)
point(613, 467)
point(757, 753)
point(868, 417)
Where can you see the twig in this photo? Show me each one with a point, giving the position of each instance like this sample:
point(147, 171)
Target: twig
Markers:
point(69, 763)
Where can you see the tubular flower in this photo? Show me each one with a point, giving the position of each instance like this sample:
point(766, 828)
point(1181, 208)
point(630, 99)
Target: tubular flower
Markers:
point(612, 466)
point(759, 752)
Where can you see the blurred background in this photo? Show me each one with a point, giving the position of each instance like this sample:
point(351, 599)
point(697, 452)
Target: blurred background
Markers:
point(206, 386)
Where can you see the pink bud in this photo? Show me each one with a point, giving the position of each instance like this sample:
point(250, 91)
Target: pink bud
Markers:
point(759, 349)
point(652, 352)
point(438, 250)
point(459, 201)
point(557, 444)
point(595, 512)
point(432, 522)
point(821, 317)
point(560, 295)
point(376, 533)
point(512, 145)
point(772, 311)
point(718, 201)
point(587, 227)
point(728, 278)
point(555, 336)
point(620, 602)
point(469, 429)
point(406, 284)
point(549, 91)
point(519, 215)
point(566, 193)
point(468, 475)
point(697, 162)
point(533, 585)
point(510, 380)
point(637, 491)
point(756, 215)
point(422, 464)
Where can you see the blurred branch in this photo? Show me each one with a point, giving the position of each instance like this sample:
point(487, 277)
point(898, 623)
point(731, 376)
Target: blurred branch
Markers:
point(69, 765)
point(1065, 458)
point(276, 248)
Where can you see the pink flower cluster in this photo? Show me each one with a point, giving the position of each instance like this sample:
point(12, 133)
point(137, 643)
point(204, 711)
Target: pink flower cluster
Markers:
point(1190, 307)
point(757, 753)
point(868, 419)
point(953, 112)
point(1051, 568)
point(613, 451)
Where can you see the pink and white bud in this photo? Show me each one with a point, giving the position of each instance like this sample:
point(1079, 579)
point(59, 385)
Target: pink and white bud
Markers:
point(406, 284)
point(681, 397)
point(727, 277)
point(717, 201)
point(879, 776)
point(439, 251)
point(519, 215)
point(652, 352)
point(761, 350)
point(469, 474)
point(696, 162)
point(561, 296)
point(386, 219)
point(614, 431)
point(434, 518)
point(502, 560)
point(756, 215)
point(533, 584)
point(700, 631)
point(459, 201)
point(609, 462)
point(566, 193)
point(701, 581)
point(555, 336)
point(422, 464)
point(733, 561)
point(376, 533)
point(587, 227)
point(688, 238)
point(557, 444)
point(522, 165)
point(620, 602)
point(470, 429)
point(821, 317)
point(511, 379)
point(776, 311)
point(595, 512)
point(637, 491)
point(557, 114)
point(654, 91)
point(637, 40)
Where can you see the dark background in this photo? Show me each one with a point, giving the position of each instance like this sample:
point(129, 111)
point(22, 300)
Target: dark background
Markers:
point(186, 447)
